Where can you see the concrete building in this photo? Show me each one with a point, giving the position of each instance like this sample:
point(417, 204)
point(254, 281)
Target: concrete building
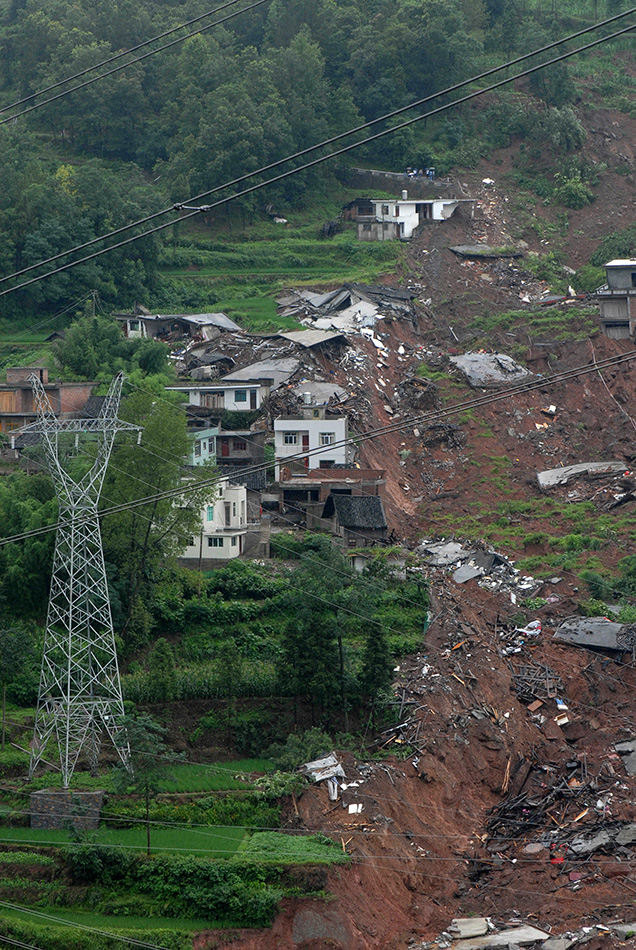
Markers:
point(323, 437)
point(203, 445)
point(237, 396)
point(392, 219)
point(16, 397)
point(617, 300)
point(170, 326)
point(224, 526)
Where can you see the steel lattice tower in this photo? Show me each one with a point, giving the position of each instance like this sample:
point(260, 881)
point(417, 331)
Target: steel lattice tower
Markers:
point(80, 693)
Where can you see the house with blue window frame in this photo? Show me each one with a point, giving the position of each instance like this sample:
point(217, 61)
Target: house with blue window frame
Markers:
point(203, 445)
point(224, 526)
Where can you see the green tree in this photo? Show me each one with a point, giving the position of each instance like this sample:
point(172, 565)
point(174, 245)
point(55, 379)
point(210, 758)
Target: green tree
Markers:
point(231, 677)
point(150, 761)
point(139, 541)
point(162, 666)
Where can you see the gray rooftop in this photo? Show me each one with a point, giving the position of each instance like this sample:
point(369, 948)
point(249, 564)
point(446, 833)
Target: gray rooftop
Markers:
point(356, 511)
point(279, 371)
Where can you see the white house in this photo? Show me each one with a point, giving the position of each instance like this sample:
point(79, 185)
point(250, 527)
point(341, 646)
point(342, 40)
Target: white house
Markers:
point(203, 446)
point(223, 527)
point(390, 219)
point(241, 395)
point(325, 437)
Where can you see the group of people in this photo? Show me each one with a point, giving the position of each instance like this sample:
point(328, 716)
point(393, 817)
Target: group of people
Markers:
point(420, 173)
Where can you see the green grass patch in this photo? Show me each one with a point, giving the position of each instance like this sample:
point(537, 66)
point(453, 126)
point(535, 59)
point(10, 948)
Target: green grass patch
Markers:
point(202, 841)
point(104, 921)
point(273, 847)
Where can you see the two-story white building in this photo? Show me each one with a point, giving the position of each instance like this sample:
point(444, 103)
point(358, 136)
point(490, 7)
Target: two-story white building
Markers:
point(223, 527)
point(324, 438)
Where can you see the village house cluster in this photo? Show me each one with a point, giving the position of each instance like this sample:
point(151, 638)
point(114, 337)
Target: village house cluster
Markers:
point(261, 414)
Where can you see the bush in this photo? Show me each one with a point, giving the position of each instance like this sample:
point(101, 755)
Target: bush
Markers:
point(299, 748)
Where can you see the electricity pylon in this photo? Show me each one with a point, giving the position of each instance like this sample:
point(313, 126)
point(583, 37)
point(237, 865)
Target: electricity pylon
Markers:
point(80, 693)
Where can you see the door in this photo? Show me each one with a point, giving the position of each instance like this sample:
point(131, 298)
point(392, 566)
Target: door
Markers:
point(225, 447)
point(306, 447)
point(227, 515)
point(252, 399)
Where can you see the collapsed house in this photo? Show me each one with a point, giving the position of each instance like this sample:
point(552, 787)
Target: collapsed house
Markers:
point(349, 308)
point(397, 219)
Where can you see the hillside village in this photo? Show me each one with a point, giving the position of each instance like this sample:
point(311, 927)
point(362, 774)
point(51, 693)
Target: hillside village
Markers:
point(317, 573)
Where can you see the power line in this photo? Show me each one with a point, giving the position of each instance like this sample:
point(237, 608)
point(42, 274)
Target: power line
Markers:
point(62, 95)
point(540, 383)
point(128, 52)
point(311, 164)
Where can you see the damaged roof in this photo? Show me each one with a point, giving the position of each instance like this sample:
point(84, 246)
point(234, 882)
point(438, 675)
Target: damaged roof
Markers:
point(309, 338)
point(561, 476)
point(356, 511)
point(278, 370)
point(592, 632)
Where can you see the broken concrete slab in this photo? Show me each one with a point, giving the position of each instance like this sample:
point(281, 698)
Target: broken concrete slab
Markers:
point(590, 632)
point(469, 926)
point(487, 370)
point(624, 930)
point(561, 476)
point(484, 251)
point(627, 750)
point(558, 943)
point(521, 936)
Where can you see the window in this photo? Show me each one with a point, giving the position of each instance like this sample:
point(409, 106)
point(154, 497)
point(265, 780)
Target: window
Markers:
point(234, 509)
point(197, 449)
point(213, 400)
point(240, 445)
point(316, 413)
point(385, 209)
point(240, 395)
point(327, 438)
point(210, 515)
point(205, 445)
point(366, 227)
point(290, 438)
point(215, 542)
point(134, 325)
point(190, 542)
point(326, 463)
point(233, 542)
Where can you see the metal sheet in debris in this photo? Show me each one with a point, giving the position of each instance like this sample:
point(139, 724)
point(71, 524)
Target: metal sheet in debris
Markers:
point(486, 370)
point(597, 632)
point(585, 844)
point(467, 572)
point(561, 476)
point(444, 553)
point(327, 766)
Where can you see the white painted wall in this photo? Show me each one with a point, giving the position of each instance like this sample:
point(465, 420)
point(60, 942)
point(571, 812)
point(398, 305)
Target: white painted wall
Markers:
point(316, 431)
point(236, 396)
point(223, 525)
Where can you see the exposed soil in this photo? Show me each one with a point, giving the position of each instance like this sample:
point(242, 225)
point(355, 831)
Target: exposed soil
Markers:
point(421, 852)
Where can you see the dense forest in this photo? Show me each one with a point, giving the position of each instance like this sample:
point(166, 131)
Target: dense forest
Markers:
point(264, 84)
